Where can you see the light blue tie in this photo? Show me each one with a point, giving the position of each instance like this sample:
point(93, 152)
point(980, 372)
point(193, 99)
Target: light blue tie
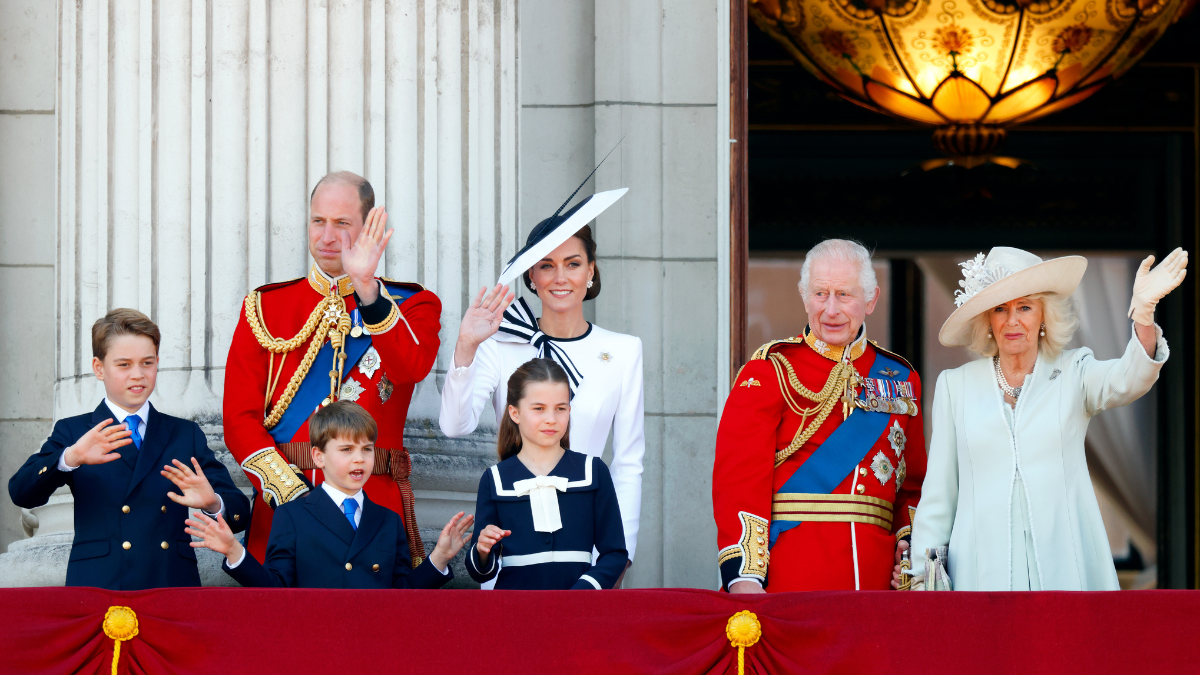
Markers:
point(133, 421)
point(350, 506)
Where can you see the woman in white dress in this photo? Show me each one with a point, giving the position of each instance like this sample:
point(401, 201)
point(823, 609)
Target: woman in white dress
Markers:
point(1007, 485)
point(605, 368)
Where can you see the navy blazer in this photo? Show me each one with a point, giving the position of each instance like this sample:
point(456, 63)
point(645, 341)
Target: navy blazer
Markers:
point(560, 560)
point(312, 545)
point(128, 534)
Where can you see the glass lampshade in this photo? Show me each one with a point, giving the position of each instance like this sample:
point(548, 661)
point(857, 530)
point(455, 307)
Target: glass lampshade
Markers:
point(969, 67)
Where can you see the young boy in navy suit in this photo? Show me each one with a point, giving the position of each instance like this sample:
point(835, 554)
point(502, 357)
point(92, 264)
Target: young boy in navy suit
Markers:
point(334, 537)
point(129, 525)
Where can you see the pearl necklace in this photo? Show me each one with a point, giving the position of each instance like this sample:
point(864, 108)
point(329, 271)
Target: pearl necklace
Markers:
point(1012, 391)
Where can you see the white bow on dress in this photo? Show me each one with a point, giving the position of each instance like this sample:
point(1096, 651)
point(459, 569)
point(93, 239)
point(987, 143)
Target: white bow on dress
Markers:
point(543, 500)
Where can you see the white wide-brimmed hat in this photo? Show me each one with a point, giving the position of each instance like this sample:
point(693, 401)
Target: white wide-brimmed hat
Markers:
point(1006, 274)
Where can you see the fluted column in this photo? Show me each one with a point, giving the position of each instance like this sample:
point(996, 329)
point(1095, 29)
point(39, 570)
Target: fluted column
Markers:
point(192, 132)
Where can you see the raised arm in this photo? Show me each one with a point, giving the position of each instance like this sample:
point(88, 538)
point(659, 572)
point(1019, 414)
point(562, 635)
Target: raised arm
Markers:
point(629, 449)
point(468, 391)
point(32, 484)
point(1118, 382)
point(405, 333)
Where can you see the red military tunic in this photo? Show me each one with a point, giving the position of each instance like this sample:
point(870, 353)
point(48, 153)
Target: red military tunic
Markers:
point(844, 538)
point(403, 325)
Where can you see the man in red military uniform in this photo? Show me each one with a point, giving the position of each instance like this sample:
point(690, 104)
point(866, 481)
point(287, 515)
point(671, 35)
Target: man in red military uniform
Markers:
point(821, 450)
point(340, 333)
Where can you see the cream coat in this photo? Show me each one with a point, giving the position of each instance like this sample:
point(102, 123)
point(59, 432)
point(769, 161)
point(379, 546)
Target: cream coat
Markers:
point(966, 498)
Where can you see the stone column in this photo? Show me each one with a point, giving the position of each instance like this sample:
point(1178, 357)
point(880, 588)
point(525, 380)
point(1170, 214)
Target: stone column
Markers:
point(190, 135)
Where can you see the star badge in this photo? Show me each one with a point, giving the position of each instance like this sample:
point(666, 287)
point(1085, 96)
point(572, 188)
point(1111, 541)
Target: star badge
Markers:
point(897, 438)
point(351, 390)
point(882, 466)
point(369, 363)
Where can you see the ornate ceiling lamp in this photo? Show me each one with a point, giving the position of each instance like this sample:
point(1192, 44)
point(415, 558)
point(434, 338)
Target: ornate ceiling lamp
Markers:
point(971, 68)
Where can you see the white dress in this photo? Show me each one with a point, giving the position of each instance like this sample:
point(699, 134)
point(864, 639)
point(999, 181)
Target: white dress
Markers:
point(610, 397)
point(989, 485)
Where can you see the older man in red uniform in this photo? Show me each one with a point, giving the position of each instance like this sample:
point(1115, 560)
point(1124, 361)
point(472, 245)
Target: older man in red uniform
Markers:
point(340, 333)
point(820, 451)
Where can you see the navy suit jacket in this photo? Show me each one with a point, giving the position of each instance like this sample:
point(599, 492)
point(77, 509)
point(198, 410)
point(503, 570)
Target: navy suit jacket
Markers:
point(312, 545)
point(128, 534)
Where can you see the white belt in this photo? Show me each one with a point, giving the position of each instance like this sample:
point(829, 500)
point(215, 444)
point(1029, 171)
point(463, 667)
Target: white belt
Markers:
point(546, 557)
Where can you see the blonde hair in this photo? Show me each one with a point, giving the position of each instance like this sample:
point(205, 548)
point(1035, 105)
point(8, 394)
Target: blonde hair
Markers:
point(1058, 315)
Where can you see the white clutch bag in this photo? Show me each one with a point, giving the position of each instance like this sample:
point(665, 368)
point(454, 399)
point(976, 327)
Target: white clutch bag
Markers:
point(936, 576)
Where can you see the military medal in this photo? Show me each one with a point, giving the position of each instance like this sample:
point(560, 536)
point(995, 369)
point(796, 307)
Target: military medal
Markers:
point(356, 332)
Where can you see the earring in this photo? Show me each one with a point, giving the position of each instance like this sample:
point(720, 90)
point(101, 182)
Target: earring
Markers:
point(589, 283)
point(989, 333)
point(1043, 332)
point(532, 287)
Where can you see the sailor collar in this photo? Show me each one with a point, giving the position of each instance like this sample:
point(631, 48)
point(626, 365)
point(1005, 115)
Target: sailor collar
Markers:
point(836, 352)
point(322, 282)
point(574, 467)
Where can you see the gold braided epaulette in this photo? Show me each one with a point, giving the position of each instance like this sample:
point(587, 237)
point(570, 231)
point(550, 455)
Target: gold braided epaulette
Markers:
point(762, 352)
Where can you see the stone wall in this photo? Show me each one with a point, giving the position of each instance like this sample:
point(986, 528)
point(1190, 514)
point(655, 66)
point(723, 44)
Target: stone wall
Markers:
point(189, 134)
point(27, 240)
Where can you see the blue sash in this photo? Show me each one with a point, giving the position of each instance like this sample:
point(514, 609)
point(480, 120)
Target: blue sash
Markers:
point(315, 386)
point(842, 451)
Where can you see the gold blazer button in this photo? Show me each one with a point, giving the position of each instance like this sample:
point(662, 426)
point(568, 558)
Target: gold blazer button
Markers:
point(349, 567)
point(164, 509)
point(237, 516)
point(126, 546)
point(861, 488)
point(125, 509)
point(375, 567)
point(862, 470)
point(165, 545)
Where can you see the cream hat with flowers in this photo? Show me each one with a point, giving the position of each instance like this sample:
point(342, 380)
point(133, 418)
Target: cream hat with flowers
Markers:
point(1003, 275)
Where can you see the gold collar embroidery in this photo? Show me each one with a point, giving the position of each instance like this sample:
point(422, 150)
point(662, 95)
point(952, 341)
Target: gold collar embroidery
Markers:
point(835, 352)
point(322, 282)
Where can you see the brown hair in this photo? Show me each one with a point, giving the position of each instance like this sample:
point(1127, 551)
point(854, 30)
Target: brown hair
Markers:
point(508, 441)
point(345, 419)
point(366, 194)
point(589, 247)
point(122, 321)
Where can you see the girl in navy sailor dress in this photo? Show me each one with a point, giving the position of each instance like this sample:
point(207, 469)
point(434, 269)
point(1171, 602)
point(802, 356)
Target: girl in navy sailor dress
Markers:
point(543, 508)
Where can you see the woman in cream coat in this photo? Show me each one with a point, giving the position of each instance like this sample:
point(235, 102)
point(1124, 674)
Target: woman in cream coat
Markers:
point(1007, 486)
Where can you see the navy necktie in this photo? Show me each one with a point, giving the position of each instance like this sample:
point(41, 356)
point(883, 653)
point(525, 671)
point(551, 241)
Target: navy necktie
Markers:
point(349, 506)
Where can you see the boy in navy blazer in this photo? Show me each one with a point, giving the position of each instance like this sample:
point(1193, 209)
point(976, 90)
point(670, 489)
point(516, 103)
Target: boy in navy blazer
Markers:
point(334, 537)
point(129, 525)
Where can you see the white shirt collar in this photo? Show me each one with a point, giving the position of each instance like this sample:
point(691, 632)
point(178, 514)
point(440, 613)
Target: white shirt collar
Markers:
point(119, 413)
point(338, 496)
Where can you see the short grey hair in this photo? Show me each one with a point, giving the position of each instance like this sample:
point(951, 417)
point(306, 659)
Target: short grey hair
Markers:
point(844, 250)
point(1058, 313)
point(366, 194)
